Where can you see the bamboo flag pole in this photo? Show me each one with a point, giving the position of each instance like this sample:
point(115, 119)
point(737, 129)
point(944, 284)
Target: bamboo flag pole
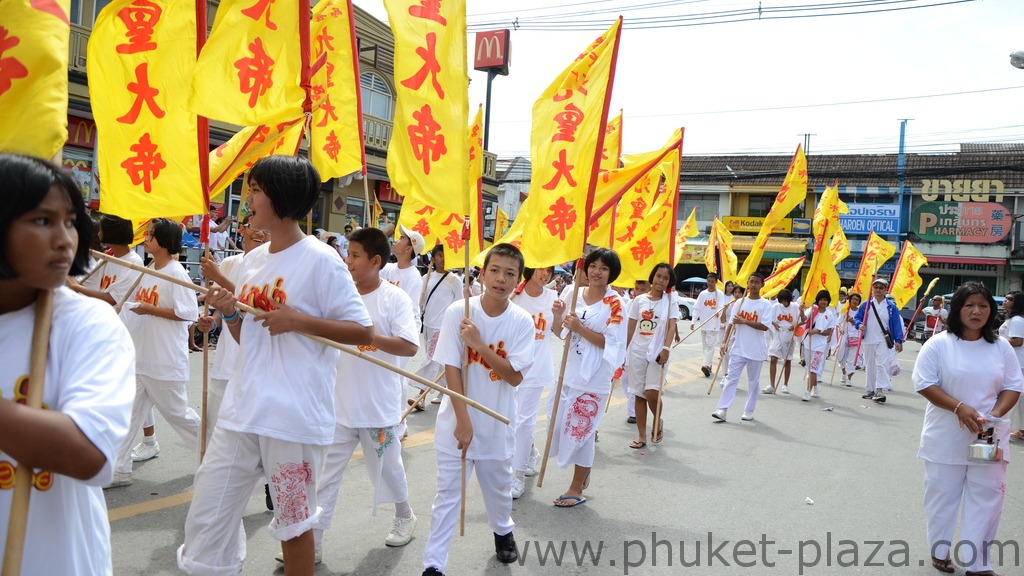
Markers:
point(725, 345)
point(128, 294)
point(420, 398)
point(787, 359)
point(465, 369)
point(97, 268)
point(343, 347)
point(18, 520)
point(206, 371)
point(920, 305)
point(699, 326)
point(656, 429)
point(842, 335)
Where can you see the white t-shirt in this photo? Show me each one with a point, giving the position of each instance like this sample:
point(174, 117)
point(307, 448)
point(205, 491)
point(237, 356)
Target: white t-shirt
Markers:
point(651, 323)
point(512, 334)
point(1015, 329)
point(366, 395)
point(934, 319)
point(90, 376)
point(225, 360)
point(784, 316)
point(116, 280)
point(973, 372)
point(541, 372)
point(284, 387)
point(409, 280)
point(161, 345)
point(872, 331)
point(590, 368)
point(449, 291)
point(748, 342)
point(709, 304)
point(822, 321)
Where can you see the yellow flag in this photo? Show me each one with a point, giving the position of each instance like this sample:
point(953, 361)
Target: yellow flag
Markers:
point(822, 274)
point(415, 215)
point(785, 271)
point(336, 129)
point(249, 70)
point(34, 40)
point(729, 261)
point(565, 147)
point(876, 253)
point(500, 223)
point(792, 194)
point(689, 230)
point(827, 211)
point(906, 281)
point(378, 212)
point(429, 148)
point(140, 228)
point(148, 145)
point(653, 242)
point(633, 209)
point(247, 146)
point(839, 246)
point(612, 148)
point(710, 261)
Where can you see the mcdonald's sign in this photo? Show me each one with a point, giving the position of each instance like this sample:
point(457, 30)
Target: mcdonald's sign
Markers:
point(491, 51)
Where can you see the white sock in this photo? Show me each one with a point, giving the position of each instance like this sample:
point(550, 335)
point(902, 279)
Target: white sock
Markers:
point(149, 440)
point(403, 510)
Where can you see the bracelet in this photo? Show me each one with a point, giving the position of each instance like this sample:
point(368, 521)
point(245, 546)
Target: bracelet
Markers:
point(666, 348)
point(232, 317)
point(959, 404)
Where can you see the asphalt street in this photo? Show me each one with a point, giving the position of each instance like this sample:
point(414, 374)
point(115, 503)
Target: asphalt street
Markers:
point(831, 486)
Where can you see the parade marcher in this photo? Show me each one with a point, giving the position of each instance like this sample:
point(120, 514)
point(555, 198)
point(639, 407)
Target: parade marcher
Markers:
point(784, 316)
point(542, 305)
point(500, 338)
point(737, 293)
point(710, 303)
point(849, 342)
point(596, 348)
point(1013, 330)
point(749, 349)
point(621, 375)
point(881, 328)
point(440, 288)
point(157, 316)
point(651, 327)
point(89, 379)
point(936, 317)
point(404, 273)
point(817, 340)
point(368, 398)
point(971, 379)
point(277, 420)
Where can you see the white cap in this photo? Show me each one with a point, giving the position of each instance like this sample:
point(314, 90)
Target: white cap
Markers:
point(881, 281)
point(418, 244)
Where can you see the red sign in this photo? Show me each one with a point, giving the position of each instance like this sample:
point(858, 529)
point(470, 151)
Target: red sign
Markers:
point(385, 193)
point(491, 51)
point(81, 132)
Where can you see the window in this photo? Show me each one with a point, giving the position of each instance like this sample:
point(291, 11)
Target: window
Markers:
point(100, 5)
point(354, 209)
point(377, 98)
point(707, 207)
point(760, 205)
point(76, 12)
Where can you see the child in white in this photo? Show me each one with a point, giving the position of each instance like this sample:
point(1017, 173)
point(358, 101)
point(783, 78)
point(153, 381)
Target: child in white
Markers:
point(500, 338)
point(368, 397)
point(404, 273)
point(749, 349)
point(935, 317)
point(710, 303)
point(440, 288)
point(817, 341)
point(849, 341)
point(784, 315)
point(539, 302)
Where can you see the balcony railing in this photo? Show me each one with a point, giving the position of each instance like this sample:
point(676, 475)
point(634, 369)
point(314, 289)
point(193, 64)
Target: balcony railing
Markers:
point(79, 41)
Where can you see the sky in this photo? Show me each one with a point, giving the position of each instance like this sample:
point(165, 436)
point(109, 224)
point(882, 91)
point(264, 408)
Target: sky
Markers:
point(757, 87)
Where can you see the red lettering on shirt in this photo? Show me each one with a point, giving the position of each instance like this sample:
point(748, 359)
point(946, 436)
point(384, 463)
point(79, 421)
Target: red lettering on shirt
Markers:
point(751, 316)
point(540, 324)
point(106, 281)
point(42, 480)
point(262, 297)
point(498, 349)
point(616, 307)
point(148, 296)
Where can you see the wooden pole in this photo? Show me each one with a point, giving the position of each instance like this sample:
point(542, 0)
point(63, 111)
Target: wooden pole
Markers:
point(18, 521)
point(465, 371)
point(343, 347)
point(788, 358)
point(128, 294)
point(725, 346)
point(206, 371)
point(657, 411)
point(420, 398)
point(699, 326)
point(840, 340)
point(98, 267)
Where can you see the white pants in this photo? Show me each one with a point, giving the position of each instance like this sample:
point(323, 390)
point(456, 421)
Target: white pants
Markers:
point(429, 369)
point(382, 453)
point(214, 540)
point(214, 398)
point(579, 415)
point(981, 488)
point(528, 403)
point(495, 480)
point(876, 360)
point(150, 419)
point(170, 399)
point(736, 366)
point(624, 382)
point(710, 340)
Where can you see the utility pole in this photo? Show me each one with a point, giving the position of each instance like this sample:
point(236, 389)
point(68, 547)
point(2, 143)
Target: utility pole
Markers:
point(807, 142)
point(901, 164)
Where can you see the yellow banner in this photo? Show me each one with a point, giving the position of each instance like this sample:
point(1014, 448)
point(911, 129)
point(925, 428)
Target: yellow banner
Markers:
point(337, 126)
point(429, 152)
point(689, 230)
point(652, 244)
point(500, 224)
point(34, 39)
point(729, 261)
point(792, 194)
point(612, 148)
point(568, 126)
point(785, 271)
point(249, 70)
point(710, 260)
point(906, 281)
point(823, 274)
point(415, 215)
point(690, 254)
point(237, 155)
point(876, 253)
point(839, 246)
point(140, 56)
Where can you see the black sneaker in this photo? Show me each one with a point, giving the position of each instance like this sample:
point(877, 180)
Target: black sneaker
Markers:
point(869, 395)
point(504, 548)
point(432, 572)
point(706, 370)
point(631, 420)
point(879, 399)
point(270, 502)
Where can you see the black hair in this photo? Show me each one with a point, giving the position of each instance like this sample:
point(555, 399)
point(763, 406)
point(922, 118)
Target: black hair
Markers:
point(167, 234)
point(528, 272)
point(956, 326)
point(374, 242)
point(437, 248)
point(736, 287)
point(671, 274)
point(116, 230)
point(785, 295)
point(332, 241)
point(1017, 309)
point(505, 249)
point(823, 294)
point(290, 182)
point(608, 258)
point(713, 275)
point(26, 181)
point(857, 296)
point(757, 275)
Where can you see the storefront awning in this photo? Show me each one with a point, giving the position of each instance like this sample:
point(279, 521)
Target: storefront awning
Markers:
point(776, 248)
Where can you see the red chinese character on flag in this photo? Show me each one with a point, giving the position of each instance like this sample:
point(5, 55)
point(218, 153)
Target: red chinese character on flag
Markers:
point(10, 68)
point(562, 170)
point(454, 240)
point(141, 18)
point(657, 225)
point(568, 120)
point(323, 42)
point(427, 143)
point(254, 73)
point(328, 109)
point(261, 9)
point(630, 228)
point(422, 227)
point(431, 67)
point(642, 251)
point(425, 210)
point(146, 165)
point(639, 205)
point(429, 10)
point(144, 94)
point(566, 93)
point(561, 218)
point(332, 147)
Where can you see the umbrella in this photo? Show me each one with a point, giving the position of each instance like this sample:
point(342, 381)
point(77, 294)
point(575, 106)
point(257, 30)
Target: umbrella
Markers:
point(695, 279)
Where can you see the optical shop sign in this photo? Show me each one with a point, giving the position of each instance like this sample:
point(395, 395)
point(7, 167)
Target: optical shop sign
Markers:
point(968, 222)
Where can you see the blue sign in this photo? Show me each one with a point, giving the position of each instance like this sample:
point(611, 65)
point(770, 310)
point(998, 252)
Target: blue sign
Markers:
point(882, 219)
point(801, 225)
point(851, 265)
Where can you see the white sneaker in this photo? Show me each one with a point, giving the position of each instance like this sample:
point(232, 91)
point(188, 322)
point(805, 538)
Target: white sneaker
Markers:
point(401, 531)
point(748, 416)
point(785, 389)
point(120, 479)
point(531, 464)
point(518, 487)
point(767, 390)
point(318, 557)
point(142, 451)
point(814, 392)
point(719, 415)
point(807, 396)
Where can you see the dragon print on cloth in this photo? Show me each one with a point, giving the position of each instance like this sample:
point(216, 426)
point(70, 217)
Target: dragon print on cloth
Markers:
point(290, 486)
point(383, 437)
point(580, 420)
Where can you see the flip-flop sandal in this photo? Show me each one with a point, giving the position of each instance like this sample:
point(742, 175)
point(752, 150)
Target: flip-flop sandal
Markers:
point(943, 565)
point(576, 501)
point(636, 444)
point(661, 432)
point(417, 406)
